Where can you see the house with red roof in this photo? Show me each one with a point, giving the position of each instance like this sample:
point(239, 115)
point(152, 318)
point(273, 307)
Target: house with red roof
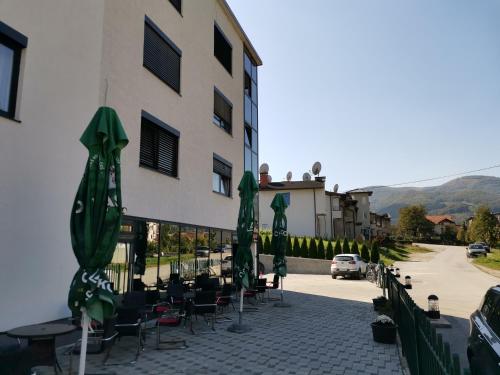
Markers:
point(441, 222)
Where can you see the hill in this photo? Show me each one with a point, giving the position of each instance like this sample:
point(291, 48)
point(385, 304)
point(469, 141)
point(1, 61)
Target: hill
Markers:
point(458, 197)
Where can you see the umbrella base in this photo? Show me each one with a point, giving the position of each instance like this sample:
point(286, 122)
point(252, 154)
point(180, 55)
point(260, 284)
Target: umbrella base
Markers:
point(282, 304)
point(239, 328)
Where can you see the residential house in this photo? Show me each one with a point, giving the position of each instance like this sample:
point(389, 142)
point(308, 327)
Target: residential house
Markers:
point(441, 222)
point(380, 225)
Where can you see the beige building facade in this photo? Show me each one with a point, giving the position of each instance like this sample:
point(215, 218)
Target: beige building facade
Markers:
point(81, 55)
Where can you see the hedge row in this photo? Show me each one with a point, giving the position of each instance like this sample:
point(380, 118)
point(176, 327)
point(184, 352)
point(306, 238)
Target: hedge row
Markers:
point(315, 248)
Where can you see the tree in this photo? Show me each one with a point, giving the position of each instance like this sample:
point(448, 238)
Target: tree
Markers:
point(321, 249)
point(449, 234)
point(484, 227)
point(304, 251)
point(412, 222)
point(375, 255)
point(329, 250)
point(345, 247)
point(462, 235)
point(354, 247)
point(289, 246)
point(365, 254)
point(338, 248)
point(296, 247)
point(267, 245)
point(313, 249)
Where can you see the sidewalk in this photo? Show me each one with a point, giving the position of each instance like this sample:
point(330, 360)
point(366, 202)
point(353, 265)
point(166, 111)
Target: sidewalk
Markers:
point(318, 334)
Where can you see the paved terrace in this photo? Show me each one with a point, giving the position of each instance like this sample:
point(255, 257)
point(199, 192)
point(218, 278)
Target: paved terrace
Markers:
point(321, 333)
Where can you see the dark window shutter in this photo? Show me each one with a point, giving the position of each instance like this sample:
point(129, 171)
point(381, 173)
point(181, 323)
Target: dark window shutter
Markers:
point(167, 153)
point(161, 59)
point(222, 49)
point(222, 108)
point(177, 5)
point(222, 168)
point(148, 145)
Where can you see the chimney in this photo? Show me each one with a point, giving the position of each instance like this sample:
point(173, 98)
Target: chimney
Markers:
point(263, 179)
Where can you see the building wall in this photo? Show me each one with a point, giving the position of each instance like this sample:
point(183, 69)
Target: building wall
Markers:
point(42, 160)
point(363, 214)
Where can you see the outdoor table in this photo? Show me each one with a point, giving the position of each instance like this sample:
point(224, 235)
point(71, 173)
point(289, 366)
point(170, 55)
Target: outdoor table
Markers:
point(42, 341)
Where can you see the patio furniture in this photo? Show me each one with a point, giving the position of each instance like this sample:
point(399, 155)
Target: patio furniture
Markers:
point(129, 323)
point(175, 294)
point(205, 304)
point(261, 288)
point(171, 317)
point(15, 359)
point(273, 285)
point(41, 341)
point(223, 300)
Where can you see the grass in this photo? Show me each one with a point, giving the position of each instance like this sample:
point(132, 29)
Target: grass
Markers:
point(492, 260)
point(153, 261)
point(397, 252)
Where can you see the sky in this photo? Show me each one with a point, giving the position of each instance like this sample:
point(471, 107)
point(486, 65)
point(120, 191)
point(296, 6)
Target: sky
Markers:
point(380, 92)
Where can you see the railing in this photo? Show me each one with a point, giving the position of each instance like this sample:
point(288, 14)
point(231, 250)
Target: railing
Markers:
point(113, 272)
point(424, 349)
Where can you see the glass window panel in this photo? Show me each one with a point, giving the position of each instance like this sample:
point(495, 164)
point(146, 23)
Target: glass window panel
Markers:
point(248, 136)
point(202, 251)
point(254, 117)
point(248, 159)
point(254, 92)
point(254, 72)
point(254, 141)
point(217, 250)
point(6, 62)
point(215, 182)
point(169, 251)
point(188, 263)
point(226, 265)
point(248, 64)
point(255, 166)
point(248, 86)
point(248, 110)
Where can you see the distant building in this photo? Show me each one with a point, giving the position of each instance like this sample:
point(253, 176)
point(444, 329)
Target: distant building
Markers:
point(441, 222)
point(380, 225)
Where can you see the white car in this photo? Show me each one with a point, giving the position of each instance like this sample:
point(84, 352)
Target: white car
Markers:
point(475, 250)
point(348, 265)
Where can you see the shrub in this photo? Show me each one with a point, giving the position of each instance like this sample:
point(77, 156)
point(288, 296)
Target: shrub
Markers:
point(365, 254)
point(304, 251)
point(296, 247)
point(313, 249)
point(267, 245)
point(321, 249)
point(354, 247)
point(345, 247)
point(337, 249)
point(329, 250)
point(375, 255)
point(289, 246)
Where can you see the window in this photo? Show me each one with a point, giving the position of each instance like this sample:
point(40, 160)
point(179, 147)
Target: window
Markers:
point(177, 5)
point(221, 176)
point(159, 145)
point(223, 111)
point(161, 56)
point(286, 197)
point(11, 45)
point(222, 49)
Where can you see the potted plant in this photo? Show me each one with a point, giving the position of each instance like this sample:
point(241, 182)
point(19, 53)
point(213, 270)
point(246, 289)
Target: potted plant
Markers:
point(384, 330)
point(379, 302)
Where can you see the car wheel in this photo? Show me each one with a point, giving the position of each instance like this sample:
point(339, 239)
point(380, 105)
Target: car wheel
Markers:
point(358, 274)
point(334, 277)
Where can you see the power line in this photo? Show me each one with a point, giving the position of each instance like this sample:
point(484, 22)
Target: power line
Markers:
point(432, 178)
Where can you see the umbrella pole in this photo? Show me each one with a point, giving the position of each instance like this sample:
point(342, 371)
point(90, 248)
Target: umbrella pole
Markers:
point(240, 318)
point(281, 303)
point(239, 327)
point(83, 346)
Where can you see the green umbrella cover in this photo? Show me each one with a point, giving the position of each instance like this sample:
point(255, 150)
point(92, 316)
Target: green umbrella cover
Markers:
point(96, 215)
point(243, 262)
point(279, 234)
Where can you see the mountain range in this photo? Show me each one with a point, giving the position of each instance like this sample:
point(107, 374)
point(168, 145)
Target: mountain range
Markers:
point(459, 197)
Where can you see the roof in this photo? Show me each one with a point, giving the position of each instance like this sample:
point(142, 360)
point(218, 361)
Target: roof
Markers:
point(293, 185)
point(361, 192)
point(437, 219)
point(239, 29)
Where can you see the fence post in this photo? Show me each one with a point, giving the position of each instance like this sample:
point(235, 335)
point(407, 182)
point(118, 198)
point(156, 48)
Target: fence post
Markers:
point(418, 351)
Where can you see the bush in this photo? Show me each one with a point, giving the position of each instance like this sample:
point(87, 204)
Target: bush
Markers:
point(329, 251)
point(296, 247)
point(304, 251)
point(321, 249)
point(345, 247)
point(267, 245)
point(260, 245)
point(313, 249)
point(375, 254)
point(354, 247)
point(337, 249)
point(289, 246)
point(365, 254)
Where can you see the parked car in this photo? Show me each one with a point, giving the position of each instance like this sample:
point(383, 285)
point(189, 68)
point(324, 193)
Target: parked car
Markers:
point(225, 266)
point(222, 248)
point(202, 251)
point(483, 349)
point(348, 265)
point(485, 245)
point(475, 250)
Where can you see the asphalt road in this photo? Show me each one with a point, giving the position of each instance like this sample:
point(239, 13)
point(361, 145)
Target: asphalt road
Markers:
point(459, 285)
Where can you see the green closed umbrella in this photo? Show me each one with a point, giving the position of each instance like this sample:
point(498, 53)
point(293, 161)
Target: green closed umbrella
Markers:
point(279, 239)
point(243, 262)
point(96, 219)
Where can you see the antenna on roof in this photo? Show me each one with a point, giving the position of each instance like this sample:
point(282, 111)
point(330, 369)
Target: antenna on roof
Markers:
point(264, 168)
point(289, 176)
point(306, 177)
point(336, 188)
point(316, 168)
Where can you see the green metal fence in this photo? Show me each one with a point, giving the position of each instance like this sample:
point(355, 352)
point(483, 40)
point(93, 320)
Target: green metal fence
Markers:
point(423, 348)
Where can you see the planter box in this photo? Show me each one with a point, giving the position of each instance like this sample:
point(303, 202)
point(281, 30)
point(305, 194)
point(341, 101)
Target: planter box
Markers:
point(379, 302)
point(384, 333)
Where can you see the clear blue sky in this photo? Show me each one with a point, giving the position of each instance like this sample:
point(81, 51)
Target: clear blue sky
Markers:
point(379, 91)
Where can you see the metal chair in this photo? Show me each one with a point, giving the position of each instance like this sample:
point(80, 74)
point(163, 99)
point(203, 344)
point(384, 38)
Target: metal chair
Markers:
point(205, 305)
point(274, 285)
point(171, 317)
point(129, 323)
point(15, 359)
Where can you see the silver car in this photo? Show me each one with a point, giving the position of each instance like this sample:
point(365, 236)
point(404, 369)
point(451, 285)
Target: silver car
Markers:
point(348, 265)
point(475, 250)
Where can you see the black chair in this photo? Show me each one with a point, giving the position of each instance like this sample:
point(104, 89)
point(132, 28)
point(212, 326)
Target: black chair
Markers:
point(138, 285)
point(261, 288)
point(170, 317)
point(205, 304)
point(202, 281)
point(174, 278)
point(175, 294)
point(15, 359)
point(274, 285)
point(129, 323)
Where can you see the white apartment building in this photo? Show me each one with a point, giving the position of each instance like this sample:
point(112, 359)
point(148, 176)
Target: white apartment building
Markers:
point(182, 76)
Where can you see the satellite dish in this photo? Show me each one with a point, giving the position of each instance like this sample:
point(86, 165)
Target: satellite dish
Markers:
point(289, 176)
point(316, 168)
point(269, 179)
point(336, 188)
point(306, 177)
point(264, 168)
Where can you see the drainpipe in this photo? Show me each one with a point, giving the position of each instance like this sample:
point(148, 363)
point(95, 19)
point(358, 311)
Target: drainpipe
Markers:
point(315, 224)
point(331, 218)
